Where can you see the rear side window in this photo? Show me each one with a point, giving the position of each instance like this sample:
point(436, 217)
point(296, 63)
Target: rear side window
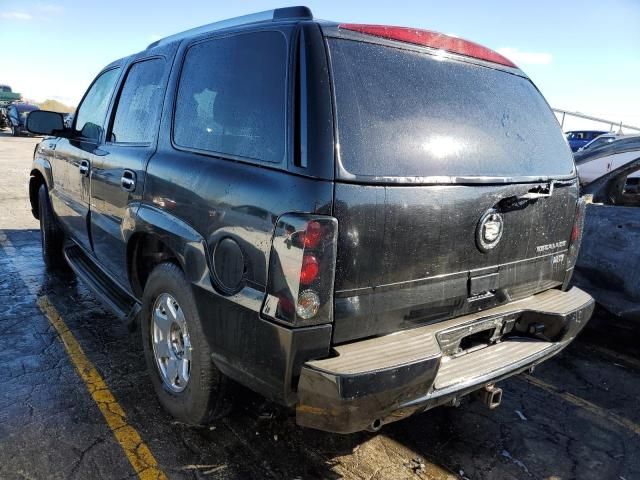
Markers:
point(407, 114)
point(93, 110)
point(138, 109)
point(232, 97)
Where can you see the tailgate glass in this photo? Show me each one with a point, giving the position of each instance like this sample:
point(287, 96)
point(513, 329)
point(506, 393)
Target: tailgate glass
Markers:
point(404, 116)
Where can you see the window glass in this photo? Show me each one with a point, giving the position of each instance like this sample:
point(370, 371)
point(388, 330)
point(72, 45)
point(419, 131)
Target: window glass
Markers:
point(407, 114)
point(138, 109)
point(92, 112)
point(598, 142)
point(232, 97)
point(633, 142)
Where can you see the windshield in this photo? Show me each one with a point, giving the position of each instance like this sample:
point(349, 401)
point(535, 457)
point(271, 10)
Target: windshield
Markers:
point(598, 142)
point(407, 114)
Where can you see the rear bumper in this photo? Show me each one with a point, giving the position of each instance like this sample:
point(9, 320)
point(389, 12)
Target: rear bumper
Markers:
point(380, 380)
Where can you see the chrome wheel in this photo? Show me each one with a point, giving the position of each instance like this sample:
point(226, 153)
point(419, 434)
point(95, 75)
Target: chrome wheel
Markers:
point(171, 343)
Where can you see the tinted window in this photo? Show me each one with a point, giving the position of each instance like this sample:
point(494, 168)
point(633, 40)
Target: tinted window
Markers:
point(92, 112)
point(232, 97)
point(407, 114)
point(138, 109)
point(633, 142)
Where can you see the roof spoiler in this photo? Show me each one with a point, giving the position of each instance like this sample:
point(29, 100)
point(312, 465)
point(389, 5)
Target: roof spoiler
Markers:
point(287, 13)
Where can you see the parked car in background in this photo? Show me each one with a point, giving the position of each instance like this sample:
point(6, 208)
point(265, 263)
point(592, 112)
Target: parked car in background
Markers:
point(7, 96)
point(579, 138)
point(594, 163)
point(17, 117)
point(608, 266)
point(201, 192)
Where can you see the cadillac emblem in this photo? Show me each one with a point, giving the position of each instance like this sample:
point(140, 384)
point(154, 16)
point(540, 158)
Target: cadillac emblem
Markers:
point(489, 230)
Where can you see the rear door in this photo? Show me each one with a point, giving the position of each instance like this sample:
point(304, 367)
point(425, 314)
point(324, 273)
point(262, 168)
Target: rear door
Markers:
point(117, 181)
point(456, 191)
point(74, 158)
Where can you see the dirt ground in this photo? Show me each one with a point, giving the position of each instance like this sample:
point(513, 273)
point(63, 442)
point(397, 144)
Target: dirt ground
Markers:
point(576, 417)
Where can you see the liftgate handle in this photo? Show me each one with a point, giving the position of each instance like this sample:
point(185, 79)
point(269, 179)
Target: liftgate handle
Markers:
point(84, 168)
point(538, 193)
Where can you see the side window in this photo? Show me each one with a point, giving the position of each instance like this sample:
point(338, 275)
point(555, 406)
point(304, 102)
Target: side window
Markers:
point(92, 111)
point(138, 109)
point(232, 97)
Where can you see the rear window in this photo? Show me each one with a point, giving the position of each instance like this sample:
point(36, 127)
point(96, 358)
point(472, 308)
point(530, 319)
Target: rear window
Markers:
point(406, 114)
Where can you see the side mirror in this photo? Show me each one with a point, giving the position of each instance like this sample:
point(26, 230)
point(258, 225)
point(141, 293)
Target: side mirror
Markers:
point(42, 122)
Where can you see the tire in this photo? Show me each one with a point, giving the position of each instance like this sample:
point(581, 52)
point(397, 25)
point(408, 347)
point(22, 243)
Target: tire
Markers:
point(203, 396)
point(51, 234)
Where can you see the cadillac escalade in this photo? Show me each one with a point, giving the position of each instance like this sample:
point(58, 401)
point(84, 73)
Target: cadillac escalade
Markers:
point(360, 222)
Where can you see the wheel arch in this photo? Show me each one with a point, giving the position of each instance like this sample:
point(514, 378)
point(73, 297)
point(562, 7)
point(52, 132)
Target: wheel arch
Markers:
point(40, 175)
point(160, 237)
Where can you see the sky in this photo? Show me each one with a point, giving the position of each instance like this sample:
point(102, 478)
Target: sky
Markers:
point(583, 55)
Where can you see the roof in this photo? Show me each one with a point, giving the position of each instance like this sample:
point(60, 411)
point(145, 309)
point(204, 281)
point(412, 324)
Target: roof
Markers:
point(276, 15)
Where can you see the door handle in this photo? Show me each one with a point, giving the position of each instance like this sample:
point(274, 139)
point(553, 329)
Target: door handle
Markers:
point(128, 180)
point(84, 168)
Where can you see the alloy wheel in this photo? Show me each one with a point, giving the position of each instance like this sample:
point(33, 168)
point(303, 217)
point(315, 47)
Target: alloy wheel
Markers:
point(171, 343)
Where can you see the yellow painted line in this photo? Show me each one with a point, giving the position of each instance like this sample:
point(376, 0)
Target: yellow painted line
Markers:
point(585, 404)
point(139, 455)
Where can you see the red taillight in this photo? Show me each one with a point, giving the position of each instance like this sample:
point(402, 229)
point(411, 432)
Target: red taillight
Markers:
point(576, 231)
point(313, 235)
point(309, 270)
point(302, 267)
point(431, 39)
point(576, 240)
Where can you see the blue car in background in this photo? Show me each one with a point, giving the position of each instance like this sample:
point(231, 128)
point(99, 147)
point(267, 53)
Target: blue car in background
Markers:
point(579, 138)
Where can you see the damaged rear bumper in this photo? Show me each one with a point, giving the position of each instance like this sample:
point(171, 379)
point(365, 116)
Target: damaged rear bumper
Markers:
point(380, 380)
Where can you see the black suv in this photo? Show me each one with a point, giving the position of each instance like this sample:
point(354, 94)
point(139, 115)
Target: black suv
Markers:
point(358, 221)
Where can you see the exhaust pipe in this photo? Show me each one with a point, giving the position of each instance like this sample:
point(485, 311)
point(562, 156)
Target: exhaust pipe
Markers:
point(491, 396)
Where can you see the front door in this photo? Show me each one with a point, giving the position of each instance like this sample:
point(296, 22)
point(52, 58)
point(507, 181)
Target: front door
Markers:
point(117, 180)
point(75, 157)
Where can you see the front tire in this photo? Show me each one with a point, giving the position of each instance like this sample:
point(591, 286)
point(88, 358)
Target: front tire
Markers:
point(178, 355)
point(51, 234)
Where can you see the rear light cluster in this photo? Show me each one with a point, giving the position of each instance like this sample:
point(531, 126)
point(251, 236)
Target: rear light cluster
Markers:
point(302, 270)
point(575, 241)
point(431, 39)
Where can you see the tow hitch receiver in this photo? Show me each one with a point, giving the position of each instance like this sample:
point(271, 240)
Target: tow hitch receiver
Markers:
point(491, 396)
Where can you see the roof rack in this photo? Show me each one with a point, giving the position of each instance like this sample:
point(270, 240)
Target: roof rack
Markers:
point(287, 13)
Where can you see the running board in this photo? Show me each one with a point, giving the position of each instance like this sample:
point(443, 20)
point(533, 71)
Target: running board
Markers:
point(111, 295)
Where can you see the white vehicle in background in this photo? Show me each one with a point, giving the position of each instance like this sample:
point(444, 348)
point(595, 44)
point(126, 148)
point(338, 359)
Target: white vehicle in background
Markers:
point(592, 163)
point(602, 140)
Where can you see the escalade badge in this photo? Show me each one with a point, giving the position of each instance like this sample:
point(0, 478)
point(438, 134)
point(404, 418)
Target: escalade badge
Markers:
point(489, 230)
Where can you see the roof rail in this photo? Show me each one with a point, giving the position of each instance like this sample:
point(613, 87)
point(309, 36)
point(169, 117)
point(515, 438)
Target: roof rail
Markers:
point(300, 13)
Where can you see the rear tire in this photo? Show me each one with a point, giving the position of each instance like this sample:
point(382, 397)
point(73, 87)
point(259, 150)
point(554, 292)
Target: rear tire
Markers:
point(195, 394)
point(51, 234)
